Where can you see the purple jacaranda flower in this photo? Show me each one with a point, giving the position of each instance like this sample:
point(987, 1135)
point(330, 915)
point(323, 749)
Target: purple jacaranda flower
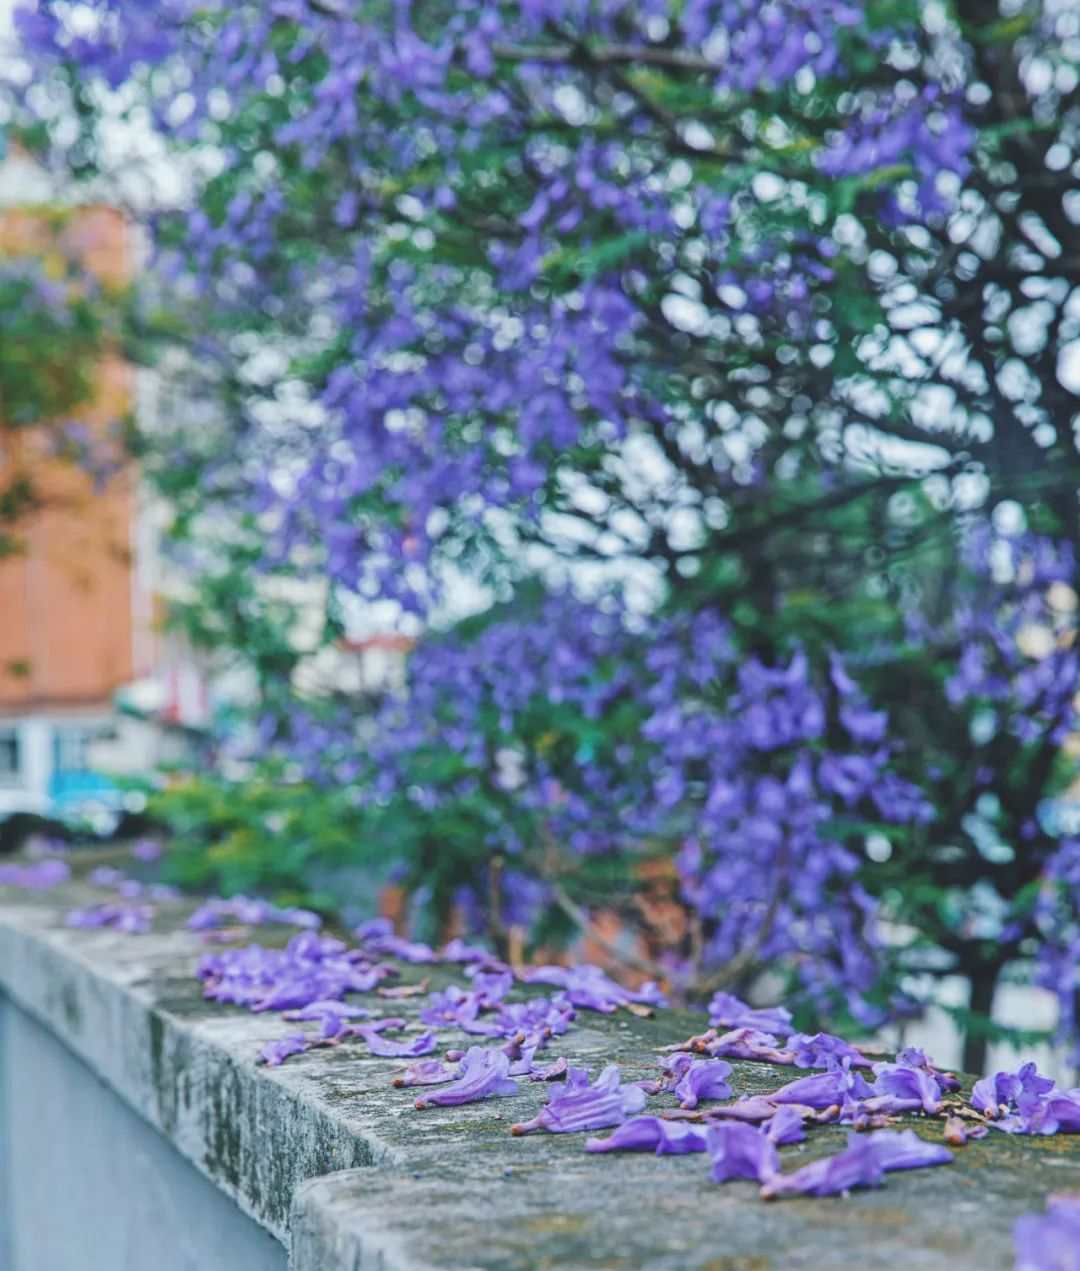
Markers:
point(555, 1071)
point(753, 1108)
point(535, 1022)
point(838, 1086)
point(310, 968)
point(483, 1073)
point(904, 1089)
point(391, 946)
point(146, 850)
point(863, 1163)
point(521, 1065)
point(373, 928)
point(737, 1043)
point(703, 1079)
point(1024, 1102)
point(1059, 1114)
point(275, 1053)
point(123, 916)
point(333, 1027)
point(38, 876)
point(579, 1106)
point(1043, 1112)
point(650, 994)
point(652, 1134)
point(993, 1096)
point(457, 1008)
point(428, 1072)
point(588, 988)
point(784, 1126)
point(673, 1068)
point(413, 1048)
point(457, 950)
point(106, 876)
point(316, 1011)
point(913, 1057)
point(727, 1011)
point(916, 1057)
point(1049, 1241)
point(740, 1151)
point(491, 987)
point(249, 912)
point(822, 1050)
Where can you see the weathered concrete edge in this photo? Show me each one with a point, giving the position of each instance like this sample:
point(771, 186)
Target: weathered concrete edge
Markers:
point(333, 1228)
point(216, 1108)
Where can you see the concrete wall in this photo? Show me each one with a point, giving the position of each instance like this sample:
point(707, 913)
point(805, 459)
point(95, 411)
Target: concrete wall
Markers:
point(87, 1185)
point(139, 1130)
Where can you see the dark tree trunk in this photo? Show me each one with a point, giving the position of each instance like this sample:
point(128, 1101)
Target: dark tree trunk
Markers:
point(981, 1003)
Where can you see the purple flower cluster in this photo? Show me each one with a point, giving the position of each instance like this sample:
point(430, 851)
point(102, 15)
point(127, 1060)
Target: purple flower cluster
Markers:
point(37, 876)
point(587, 988)
point(246, 911)
point(133, 911)
point(377, 938)
point(1024, 1102)
point(130, 917)
point(770, 790)
point(311, 968)
point(131, 888)
point(727, 1011)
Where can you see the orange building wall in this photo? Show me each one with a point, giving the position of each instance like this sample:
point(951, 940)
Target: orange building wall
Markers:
point(66, 600)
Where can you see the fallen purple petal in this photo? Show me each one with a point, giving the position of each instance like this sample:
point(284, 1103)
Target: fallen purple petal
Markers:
point(837, 1086)
point(740, 1151)
point(389, 945)
point(727, 1011)
point(784, 1126)
point(863, 1163)
point(703, 1079)
point(553, 1072)
point(38, 876)
point(219, 912)
point(1049, 1241)
point(823, 1050)
point(317, 1010)
point(652, 1134)
point(483, 1074)
point(578, 1106)
point(424, 1044)
point(914, 1085)
point(275, 1053)
point(131, 919)
point(428, 1072)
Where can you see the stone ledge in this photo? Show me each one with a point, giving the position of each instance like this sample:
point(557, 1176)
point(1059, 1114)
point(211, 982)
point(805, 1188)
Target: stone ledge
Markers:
point(330, 1159)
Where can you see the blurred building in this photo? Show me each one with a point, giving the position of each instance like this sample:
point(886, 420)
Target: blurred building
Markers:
point(89, 688)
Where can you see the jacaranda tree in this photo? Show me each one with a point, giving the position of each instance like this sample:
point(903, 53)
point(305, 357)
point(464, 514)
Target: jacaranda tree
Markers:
point(728, 346)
